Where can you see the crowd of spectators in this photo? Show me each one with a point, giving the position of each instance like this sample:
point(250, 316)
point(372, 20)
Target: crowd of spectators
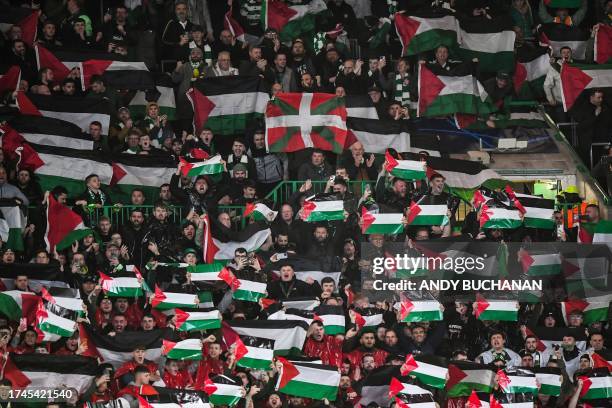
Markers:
point(186, 41)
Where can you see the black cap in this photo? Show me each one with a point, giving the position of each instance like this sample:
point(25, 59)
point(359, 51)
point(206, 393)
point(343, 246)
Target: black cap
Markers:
point(197, 27)
point(503, 75)
point(374, 87)
point(89, 278)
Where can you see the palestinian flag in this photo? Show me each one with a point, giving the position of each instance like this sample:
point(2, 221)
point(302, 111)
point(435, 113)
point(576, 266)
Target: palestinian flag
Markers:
point(603, 232)
point(118, 349)
point(249, 291)
point(55, 166)
point(496, 310)
point(250, 238)
point(190, 349)
point(547, 336)
point(374, 223)
point(314, 211)
point(491, 41)
point(593, 309)
point(180, 398)
point(562, 3)
point(441, 95)
point(370, 318)
point(577, 78)
point(276, 313)
point(405, 169)
point(51, 371)
point(426, 214)
point(117, 74)
point(222, 390)
point(558, 36)
point(296, 121)
point(426, 31)
point(227, 105)
point(64, 226)
point(51, 323)
point(410, 394)
point(256, 354)
point(190, 321)
point(308, 380)
point(550, 380)
point(46, 59)
point(163, 94)
point(9, 81)
point(205, 272)
point(332, 318)
point(530, 71)
point(586, 266)
point(517, 381)
point(290, 22)
point(229, 23)
point(315, 275)
point(259, 212)
point(421, 311)
point(206, 167)
point(80, 111)
point(169, 300)
point(430, 370)
point(140, 171)
point(288, 335)
point(493, 217)
point(538, 211)
point(377, 136)
point(11, 224)
point(465, 376)
point(22, 17)
point(603, 44)
point(121, 286)
point(41, 130)
point(360, 106)
point(16, 304)
point(39, 276)
point(540, 264)
point(301, 303)
point(65, 302)
point(378, 386)
point(596, 385)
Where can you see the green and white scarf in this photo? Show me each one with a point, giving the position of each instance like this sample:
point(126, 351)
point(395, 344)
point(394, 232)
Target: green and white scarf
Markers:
point(251, 10)
point(401, 91)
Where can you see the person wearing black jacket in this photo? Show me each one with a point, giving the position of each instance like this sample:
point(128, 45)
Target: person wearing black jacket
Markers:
point(197, 197)
point(594, 119)
point(175, 37)
point(133, 234)
point(289, 286)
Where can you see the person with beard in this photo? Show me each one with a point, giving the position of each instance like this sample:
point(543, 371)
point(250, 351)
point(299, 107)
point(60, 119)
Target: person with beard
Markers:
point(287, 224)
point(269, 167)
point(357, 345)
point(351, 77)
point(323, 245)
point(195, 198)
point(133, 233)
point(256, 65)
point(161, 235)
point(175, 37)
point(30, 188)
point(271, 45)
point(398, 197)
point(299, 61)
point(231, 189)
point(391, 342)
point(308, 83)
point(23, 56)
point(184, 74)
point(288, 286)
point(376, 96)
point(424, 339)
point(329, 67)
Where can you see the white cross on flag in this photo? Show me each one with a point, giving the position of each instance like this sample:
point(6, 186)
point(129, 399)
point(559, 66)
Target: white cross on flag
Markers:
point(296, 121)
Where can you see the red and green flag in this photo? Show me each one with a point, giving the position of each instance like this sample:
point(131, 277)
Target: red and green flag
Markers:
point(375, 223)
point(206, 167)
point(297, 121)
point(64, 226)
point(405, 169)
point(425, 31)
point(190, 349)
point(496, 309)
point(577, 78)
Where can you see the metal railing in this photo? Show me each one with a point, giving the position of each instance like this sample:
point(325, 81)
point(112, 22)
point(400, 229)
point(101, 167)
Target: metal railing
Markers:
point(281, 193)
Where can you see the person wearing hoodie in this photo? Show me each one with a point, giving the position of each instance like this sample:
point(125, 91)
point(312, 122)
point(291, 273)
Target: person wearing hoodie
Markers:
point(270, 168)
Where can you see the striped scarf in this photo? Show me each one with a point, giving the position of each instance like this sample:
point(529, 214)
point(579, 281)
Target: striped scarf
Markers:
point(251, 10)
point(401, 91)
point(207, 54)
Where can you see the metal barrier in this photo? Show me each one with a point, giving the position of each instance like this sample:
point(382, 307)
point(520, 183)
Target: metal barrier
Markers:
point(285, 189)
point(120, 215)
